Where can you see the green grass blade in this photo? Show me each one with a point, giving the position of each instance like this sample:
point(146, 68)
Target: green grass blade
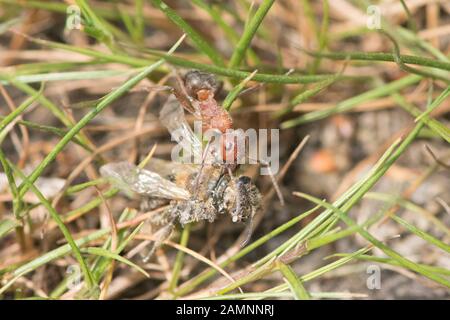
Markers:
point(234, 93)
point(65, 231)
point(436, 103)
point(50, 256)
point(380, 245)
point(7, 225)
point(111, 255)
point(293, 281)
point(249, 32)
point(200, 43)
point(179, 258)
point(20, 109)
point(71, 75)
point(350, 103)
point(427, 237)
point(382, 56)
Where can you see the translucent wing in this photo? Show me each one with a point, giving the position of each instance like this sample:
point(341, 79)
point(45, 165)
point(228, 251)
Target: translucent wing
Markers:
point(128, 177)
point(172, 117)
point(169, 168)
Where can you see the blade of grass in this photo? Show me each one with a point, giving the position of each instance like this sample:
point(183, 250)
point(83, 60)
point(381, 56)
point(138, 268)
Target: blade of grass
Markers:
point(382, 56)
point(17, 202)
point(323, 32)
point(435, 104)
point(233, 73)
point(409, 205)
point(305, 95)
point(237, 74)
point(393, 262)
point(111, 255)
point(334, 265)
point(380, 245)
point(411, 23)
point(139, 21)
point(427, 237)
point(94, 25)
point(41, 98)
point(70, 75)
point(50, 256)
point(55, 216)
point(268, 268)
point(228, 30)
point(20, 109)
point(350, 103)
point(293, 281)
point(51, 129)
point(199, 43)
point(7, 225)
point(234, 93)
point(433, 124)
point(249, 32)
point(179, 258)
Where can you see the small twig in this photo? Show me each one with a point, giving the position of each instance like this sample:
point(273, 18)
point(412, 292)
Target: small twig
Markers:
point(438, 161)
point(114, 242)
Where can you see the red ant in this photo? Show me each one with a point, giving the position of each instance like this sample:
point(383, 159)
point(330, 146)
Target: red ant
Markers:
point(197, 96)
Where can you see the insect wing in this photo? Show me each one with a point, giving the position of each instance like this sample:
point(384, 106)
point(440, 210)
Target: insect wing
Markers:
point(172, 117)
point(169, 168)
point(144, 182)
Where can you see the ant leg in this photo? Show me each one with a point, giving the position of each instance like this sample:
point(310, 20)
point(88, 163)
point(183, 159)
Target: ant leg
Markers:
point(274, 182)
point(161, 235)
point(183, 97)
point(200, 171)
point(234, 217)
point(260, 85)
point(149, 88)
point(272, 178)
point(185, 102)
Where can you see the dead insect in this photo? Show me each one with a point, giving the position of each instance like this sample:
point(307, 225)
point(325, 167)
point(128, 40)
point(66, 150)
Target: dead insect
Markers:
point(195, 192)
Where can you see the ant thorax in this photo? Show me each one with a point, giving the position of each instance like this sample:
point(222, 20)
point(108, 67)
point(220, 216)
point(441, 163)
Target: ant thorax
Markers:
point(202, 88)
point(213, 116)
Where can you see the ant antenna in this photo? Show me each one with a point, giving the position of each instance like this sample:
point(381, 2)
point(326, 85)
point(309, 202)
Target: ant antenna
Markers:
point(197, 179)
point(161, 235)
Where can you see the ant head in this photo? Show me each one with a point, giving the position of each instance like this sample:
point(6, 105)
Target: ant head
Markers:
point(201, 85)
